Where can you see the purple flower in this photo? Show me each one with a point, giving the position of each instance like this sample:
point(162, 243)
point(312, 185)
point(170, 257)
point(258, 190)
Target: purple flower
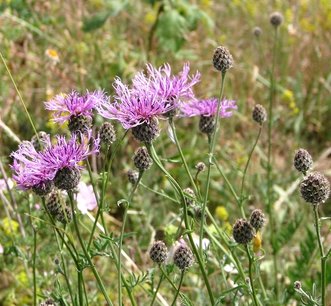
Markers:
point(74, 104)
point(133, 107)
point(167, 86)
point(85, 198)
point(208, 108)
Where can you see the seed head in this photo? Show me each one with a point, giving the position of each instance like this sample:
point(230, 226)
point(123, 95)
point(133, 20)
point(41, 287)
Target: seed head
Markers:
point(188, 199)
point(302, 161)
point(200, 166)
point(48, 302)
point(147, 132)
point(207, 124)
point(53, 203)
point(222, 59)
point(259, 114)
point(276, 19)
point(257, 31)
point(107, 134)
point(64, 215)
point(43, 188)
point(297, 285)
point(67, 178)
point(183, 257)
point(242, 232)
point(142, 160)
point(133, 176)
point(315, 188)
point(79, 124)
point(257, 219)
point(158, 252)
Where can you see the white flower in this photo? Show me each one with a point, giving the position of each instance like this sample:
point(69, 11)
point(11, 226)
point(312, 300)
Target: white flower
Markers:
point(85, 198)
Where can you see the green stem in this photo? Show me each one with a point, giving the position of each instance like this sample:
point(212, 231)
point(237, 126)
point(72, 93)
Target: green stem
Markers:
point(20, 96)
point(157, 289)
point(251, 275)
point(322, 255)
point(178, 189)
point(210, 160)
point(178, 289)
point(168, 278)
point(34, 267)
point(246, 167)
point(269, 180)
point(121, 238)
point(87, 256)
point(80, 289)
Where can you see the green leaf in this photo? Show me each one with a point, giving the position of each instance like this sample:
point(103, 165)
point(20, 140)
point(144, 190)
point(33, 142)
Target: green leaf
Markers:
point(95, 22)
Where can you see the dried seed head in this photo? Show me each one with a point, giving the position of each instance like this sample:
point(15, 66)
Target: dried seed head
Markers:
point(64, 215)
point(276, 19)
point(242, 232)
point(257, 31)
point(259, 114)
point(107, 134)
point(315, 188)
point(257, 219)
point(146, 132)
point(133, 176)
point(158, 252)
point(302, 161)
point(183, 257)
point(67, 178)
point(40, 144)
point(48, 302)
point(200, 166)
point(79, 124)
point(222, 59)
point(207, 124)
point(188, 199)
point(53, 203)
point(297, 285)
point(142, 160)
point(43, 188)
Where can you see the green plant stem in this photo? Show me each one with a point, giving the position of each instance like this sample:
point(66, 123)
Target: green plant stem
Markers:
point(80, 289)
point(269, 182)
point(157, 289)
point(168, 278)
point(322, 255)
point(210, 161)
point(246, 167)
point(105, 179)
point(179, 286)
point(173, 129)
point(127, 205)
point(178, 189)
point(250, 259)
point(87, 256)
point(19, 95)
point(34, 267)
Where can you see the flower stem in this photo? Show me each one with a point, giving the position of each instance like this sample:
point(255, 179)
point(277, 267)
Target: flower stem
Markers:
point(157, 289)
point(121, 238)
point(250, 259)
point(87, 256)
point(179, 286)
point(212, 141)
point(323, 257)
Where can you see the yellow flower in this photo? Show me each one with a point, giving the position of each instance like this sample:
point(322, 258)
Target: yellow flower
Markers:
point(221, 213)
point(52, 55)
point(9, 226)
point(288, 97)
point(150, 17)
point(257, 242)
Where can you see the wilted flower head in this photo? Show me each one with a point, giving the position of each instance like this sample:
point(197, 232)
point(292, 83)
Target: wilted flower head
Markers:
point(74, 104)
point(133, 107)
point(208, 108)
point(169, 87)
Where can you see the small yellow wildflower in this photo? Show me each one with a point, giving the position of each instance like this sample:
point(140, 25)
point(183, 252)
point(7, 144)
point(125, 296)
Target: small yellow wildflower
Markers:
point(9, 226)
point(257, 242)
point(221, 213)
point(52, 55)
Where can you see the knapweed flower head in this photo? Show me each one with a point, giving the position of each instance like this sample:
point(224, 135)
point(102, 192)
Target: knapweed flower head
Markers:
point(208, 108)
point(66, 106)
point(171, 88)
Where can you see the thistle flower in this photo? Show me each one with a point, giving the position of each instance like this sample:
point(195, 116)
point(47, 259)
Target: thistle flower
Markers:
point(207, 109)
point(200, 166)
point(222, 59)
point(302, 160)
point(142, 160)
point(158, 252)
point(136, 109)
point(315, 188)
point(276, 19)
point(133, 176)
point(173, 89)
point(107, 134)
point(76, 108)
point(257, 219)
point(242, 232)
point(259, 114)
point(189, 196)
point(183, 257)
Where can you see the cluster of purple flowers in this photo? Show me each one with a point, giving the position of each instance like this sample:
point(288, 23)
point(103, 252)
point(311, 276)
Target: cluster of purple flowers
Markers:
point(157, 93)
